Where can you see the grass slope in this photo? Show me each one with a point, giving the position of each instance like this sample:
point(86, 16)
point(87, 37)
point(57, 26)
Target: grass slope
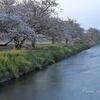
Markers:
point(14, 63)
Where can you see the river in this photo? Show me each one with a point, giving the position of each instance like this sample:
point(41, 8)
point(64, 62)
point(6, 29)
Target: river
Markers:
point(75, 78)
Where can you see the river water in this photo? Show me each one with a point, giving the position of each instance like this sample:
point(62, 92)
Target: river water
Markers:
point(76, 78)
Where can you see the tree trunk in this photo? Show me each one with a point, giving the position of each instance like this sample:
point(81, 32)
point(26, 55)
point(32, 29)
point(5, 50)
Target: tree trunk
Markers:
point(34, 43)
point(18, 44)
point(6, 43)
point(53, 40)
point(66, 40)
point(21, 43)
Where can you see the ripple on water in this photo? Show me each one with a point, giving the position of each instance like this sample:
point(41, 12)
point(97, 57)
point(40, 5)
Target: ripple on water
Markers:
point(90, 91)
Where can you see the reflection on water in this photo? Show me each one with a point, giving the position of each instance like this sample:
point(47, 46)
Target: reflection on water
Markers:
point(76, 78)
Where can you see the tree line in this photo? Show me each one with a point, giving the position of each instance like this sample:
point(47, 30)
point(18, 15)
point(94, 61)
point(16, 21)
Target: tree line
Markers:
point(21, 21)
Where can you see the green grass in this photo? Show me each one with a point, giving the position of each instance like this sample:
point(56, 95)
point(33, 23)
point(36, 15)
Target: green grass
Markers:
point(12, 63)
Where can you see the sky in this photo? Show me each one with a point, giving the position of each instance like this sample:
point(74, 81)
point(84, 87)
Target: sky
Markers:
point(86, 12)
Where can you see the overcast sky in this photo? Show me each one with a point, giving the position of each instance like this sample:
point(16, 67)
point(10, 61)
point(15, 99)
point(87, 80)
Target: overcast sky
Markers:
point(86, 12)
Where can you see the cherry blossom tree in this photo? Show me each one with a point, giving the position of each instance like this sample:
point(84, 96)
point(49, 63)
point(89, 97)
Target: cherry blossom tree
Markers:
point(35, 13)
point(15, 29)
point(94, 34)
point(73, 30)
point(53, 28)
point(7, 6)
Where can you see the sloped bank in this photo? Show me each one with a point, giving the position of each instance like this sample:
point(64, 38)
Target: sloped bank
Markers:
point(14, 64)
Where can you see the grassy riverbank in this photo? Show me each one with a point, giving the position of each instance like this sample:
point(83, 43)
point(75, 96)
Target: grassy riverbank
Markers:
point(14, 63)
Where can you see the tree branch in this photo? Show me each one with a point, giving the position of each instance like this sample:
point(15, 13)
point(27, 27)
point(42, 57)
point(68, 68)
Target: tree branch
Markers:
point(6, 43)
